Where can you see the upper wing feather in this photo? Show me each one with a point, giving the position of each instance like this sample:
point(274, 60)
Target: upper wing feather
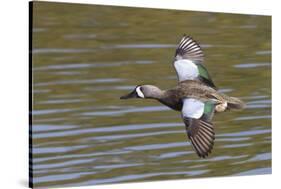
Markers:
point(189, 49)
point(188, 62)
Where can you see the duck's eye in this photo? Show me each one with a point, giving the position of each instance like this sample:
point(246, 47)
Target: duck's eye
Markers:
point(139, 92)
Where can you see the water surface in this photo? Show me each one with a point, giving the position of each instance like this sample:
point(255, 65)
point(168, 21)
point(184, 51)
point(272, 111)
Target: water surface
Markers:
point(86, 57)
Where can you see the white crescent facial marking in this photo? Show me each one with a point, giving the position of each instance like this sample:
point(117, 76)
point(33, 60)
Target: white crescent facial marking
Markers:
point(186, 69)
point(192, 108)
point(140, 94)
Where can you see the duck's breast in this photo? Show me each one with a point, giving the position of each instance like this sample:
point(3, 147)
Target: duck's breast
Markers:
point(172, 99)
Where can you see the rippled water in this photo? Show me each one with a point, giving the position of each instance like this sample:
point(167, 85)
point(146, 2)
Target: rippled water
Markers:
point(86, 57)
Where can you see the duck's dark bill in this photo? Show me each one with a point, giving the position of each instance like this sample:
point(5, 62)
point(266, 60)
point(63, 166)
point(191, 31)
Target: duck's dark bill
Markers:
point(133, 94)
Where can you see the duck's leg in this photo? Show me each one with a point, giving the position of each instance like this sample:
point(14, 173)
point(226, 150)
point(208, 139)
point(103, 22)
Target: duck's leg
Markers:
point(221, 103)
point(221, 107)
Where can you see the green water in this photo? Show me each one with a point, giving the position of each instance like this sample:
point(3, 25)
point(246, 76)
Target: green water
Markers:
point(85, 57)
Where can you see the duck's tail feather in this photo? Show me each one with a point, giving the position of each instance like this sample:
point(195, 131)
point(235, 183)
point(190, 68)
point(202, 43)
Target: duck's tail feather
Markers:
point(235, 103)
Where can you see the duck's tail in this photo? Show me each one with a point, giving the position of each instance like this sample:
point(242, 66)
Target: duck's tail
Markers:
point(235, 103)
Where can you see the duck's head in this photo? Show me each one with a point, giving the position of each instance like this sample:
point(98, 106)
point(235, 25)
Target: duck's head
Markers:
point(143, 91)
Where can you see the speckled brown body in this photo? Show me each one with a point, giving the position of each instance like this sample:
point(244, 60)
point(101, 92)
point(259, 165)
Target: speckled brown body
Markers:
point(191, 89)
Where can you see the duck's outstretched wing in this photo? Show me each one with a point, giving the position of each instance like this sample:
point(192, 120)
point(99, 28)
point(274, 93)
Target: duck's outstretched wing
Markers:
point(188, 62)
point(197, 117)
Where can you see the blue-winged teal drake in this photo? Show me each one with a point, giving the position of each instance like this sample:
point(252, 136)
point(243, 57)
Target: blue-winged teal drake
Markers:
point(196, 96)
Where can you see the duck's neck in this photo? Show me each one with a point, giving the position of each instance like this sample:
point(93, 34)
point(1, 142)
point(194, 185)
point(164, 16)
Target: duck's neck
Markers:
point(156, 94)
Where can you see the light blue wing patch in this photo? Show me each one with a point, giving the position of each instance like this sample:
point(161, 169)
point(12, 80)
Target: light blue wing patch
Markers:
point(186, 70)
point(192, 108)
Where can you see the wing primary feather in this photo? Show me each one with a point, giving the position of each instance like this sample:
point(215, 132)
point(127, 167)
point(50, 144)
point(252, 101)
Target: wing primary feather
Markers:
point(202, 150)
point(201, 135)
point(206, 136)
point(186, 49)
point(208, 132)
point(197, 150)
point(205, 127)
point(202, 143)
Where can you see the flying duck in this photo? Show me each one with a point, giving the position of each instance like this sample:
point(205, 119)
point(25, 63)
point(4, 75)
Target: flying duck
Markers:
point(196, 96)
